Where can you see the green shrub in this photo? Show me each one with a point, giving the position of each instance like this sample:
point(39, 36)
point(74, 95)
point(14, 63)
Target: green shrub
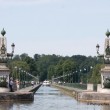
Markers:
point(3, 84)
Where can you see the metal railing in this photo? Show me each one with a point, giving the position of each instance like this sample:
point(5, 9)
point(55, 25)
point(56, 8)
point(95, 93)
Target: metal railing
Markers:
point(76, 85)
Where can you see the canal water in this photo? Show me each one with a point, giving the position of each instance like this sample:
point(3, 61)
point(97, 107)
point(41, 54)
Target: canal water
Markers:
point(48, 98)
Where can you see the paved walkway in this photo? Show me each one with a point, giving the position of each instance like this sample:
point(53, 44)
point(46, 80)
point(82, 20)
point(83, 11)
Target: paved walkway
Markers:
point(27, 89)
point(69, 88)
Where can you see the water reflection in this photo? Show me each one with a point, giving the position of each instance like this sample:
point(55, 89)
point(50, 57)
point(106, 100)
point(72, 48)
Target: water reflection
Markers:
point(48, 98)
point(106, 107)
point(13, 105)
point(6, 106)
point(46, 94)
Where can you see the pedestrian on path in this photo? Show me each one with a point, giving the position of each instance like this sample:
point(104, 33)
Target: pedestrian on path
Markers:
point(32, 83)
point(11, 84)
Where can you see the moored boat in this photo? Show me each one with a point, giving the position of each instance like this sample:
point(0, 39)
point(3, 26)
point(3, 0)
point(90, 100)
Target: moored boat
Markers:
point(46, 83)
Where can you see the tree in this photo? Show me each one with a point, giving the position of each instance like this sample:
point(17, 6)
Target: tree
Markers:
point(23, 56)
point(51, 71)
point(20, 64)
point(14, 67)
point(43, 64)
point(96, 76)
point(36, 57)
point(68, 66)
point(47, 66)
point(16, 57)
point(31, 62)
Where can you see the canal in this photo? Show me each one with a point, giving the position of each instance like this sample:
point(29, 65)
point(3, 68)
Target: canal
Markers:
point(48, 98)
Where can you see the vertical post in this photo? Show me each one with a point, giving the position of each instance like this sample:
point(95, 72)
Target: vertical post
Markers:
point(102, 81)
point(73, 77)
point(76, 76)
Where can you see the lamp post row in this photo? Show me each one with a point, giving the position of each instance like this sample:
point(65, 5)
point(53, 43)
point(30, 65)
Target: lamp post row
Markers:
point(22, 77)
point(76, 75)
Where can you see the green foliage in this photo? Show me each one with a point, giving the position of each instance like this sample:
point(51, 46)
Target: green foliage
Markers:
point(36, 57)
point(96, 76)
point(79, 59)
point(47, 66)
point(16, 58)
point(51, 71)
point(43, 64)
point(20, 64)
point(23, 56)
point(3, 84)
point(68, 66)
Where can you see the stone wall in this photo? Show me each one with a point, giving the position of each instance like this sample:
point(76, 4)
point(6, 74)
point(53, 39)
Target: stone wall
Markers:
point(94, 97)
point(90, 87)
point(86, 95)
point(13, 96)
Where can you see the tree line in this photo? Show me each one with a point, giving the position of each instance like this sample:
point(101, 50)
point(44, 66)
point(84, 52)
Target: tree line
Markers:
point(85, 69)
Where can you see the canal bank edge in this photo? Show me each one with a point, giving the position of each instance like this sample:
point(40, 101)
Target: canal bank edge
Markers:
point(94, 98)
point(68, 90)
point(14, 96)
point(90, 97)
point(26, 94)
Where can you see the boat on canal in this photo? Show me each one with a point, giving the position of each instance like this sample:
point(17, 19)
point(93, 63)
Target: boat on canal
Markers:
point(46, 83)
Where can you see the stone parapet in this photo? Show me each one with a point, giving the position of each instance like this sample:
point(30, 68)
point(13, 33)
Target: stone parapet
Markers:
point(90, 87)
point(94, 97)
point(68, 90)
point(99, 87)
point(25, 94)
point(85, 95)
point(14, 96)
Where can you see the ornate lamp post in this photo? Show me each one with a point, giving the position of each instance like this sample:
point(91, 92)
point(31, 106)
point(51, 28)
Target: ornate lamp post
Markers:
point(97, 48)
point(11, 54)
point(13, 46)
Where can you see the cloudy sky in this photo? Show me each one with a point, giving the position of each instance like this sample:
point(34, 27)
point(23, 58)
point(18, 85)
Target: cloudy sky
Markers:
point(62, 27)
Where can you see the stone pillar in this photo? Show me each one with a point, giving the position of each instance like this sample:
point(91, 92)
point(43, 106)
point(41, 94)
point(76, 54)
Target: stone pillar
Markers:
point(105, 73)
point(99, 87)
point(4, 70)
point(90, 87)
point(102, 81)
